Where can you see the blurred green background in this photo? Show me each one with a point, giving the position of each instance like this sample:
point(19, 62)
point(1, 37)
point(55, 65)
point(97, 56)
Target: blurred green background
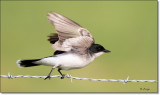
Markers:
point(127, 28)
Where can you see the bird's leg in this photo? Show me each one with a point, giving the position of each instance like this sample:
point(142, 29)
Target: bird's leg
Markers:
point(59, 70)
point(50, 73)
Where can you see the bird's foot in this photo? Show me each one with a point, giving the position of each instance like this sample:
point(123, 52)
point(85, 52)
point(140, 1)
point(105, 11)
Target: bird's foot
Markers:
point(62, 77)
point(48, 77)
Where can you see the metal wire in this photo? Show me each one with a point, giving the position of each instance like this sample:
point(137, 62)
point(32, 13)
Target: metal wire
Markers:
point(9, 76)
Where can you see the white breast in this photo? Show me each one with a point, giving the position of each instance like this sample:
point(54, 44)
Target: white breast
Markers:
point(72, 61)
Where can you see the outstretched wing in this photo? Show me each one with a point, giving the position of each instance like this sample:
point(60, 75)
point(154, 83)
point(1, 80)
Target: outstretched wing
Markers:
point(69, 32)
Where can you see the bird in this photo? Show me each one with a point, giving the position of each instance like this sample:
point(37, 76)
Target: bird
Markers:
point(74, 46)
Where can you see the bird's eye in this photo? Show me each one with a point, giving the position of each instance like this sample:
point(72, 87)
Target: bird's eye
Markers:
point(99, 48)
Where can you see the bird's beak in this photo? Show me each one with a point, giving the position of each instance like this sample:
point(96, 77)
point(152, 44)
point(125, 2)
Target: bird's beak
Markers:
point(106, 51)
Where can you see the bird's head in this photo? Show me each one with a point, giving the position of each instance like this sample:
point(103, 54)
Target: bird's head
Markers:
point(97, 50)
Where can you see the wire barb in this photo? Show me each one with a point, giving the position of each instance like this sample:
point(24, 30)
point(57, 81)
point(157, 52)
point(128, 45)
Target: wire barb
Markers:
point(9, 76)
point(125, 81)
point(69, 76)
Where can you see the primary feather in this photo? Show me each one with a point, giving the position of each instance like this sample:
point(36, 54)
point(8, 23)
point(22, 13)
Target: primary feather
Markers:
point(71, 36)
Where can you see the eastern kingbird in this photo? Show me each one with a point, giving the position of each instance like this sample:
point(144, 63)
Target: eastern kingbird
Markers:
point(75, 46)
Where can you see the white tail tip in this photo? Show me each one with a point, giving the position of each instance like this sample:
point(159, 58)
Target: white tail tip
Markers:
point(18, 63)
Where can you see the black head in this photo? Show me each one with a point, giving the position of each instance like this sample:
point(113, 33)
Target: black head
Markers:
point(95, 48)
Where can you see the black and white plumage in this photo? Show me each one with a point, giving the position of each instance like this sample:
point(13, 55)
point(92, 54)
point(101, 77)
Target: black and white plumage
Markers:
point(75, 46)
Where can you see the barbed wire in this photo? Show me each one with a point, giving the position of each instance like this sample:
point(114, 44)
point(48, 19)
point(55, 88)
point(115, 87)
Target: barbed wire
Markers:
point(9, 76)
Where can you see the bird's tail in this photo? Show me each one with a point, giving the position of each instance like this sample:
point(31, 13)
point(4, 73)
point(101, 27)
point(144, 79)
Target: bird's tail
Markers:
point(28, 63)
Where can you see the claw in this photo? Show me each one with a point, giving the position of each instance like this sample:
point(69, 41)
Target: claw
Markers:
point(47, 77)
point(63, 76)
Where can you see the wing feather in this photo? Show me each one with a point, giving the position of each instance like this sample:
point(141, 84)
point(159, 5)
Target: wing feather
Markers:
point(71, 35)
point(78, 44)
